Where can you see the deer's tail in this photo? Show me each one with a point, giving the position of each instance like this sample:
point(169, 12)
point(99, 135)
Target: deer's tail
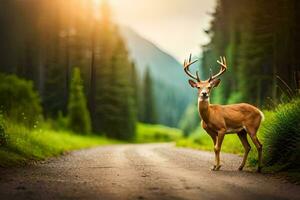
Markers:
point(262, 115)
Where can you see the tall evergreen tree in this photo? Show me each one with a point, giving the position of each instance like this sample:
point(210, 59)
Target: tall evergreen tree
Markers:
point(78, 114)
point(135, 85)
point(112, 82)
point(148, 98)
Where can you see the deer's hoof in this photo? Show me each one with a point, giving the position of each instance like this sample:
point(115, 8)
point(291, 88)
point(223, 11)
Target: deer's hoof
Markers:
point(216, 168)
point(213, 168)
point(241, 168)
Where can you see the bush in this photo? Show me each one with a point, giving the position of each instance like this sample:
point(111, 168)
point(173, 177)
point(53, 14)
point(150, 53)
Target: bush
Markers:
point(3, 139)
point(281, 132)
point(78, 114)
point(19, 102)
point(59, 123)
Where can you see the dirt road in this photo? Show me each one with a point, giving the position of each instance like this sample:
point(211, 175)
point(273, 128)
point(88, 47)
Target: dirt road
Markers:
point(151, 171)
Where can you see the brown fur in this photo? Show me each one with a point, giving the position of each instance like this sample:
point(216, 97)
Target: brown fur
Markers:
point(219, 120)
point(230, 117)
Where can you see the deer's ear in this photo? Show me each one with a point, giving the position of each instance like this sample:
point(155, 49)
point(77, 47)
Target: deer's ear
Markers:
point(216, 82)
point(192, 83)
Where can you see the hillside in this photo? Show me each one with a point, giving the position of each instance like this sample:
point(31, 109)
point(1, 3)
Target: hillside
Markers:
point(173, 93)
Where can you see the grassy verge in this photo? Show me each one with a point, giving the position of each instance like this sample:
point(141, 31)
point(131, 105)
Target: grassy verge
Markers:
point(156, 133)
point(199, 139)
point(23, 145)
point(281, 139)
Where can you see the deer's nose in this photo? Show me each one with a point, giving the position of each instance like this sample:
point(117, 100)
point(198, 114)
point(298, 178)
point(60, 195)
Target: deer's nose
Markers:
point(204, 93)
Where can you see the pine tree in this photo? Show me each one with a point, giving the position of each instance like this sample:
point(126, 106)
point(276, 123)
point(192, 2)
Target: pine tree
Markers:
point(135, 85)
point(117, 110)
point(149, 102)
point(114, 101)
point(78, 114)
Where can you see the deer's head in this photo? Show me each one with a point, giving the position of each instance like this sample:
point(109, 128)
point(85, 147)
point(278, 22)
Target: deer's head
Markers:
point(204, 87)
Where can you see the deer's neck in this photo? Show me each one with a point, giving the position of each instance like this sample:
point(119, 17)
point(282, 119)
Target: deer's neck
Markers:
point(203, 108)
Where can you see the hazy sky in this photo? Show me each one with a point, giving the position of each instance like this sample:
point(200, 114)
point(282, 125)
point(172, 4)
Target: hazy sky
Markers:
point(176, 26)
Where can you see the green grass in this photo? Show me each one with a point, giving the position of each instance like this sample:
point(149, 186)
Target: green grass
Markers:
point(199, 139)
point(156, 133)
point(281, 134)
point(24, 145)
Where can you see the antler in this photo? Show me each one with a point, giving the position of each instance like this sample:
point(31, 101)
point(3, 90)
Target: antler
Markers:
point(187, 64)
point(222, 70)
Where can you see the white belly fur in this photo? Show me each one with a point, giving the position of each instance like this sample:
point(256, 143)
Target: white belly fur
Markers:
point(230, 130)
point(236, 130)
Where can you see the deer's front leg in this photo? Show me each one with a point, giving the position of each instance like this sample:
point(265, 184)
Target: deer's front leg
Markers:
point(217, 150)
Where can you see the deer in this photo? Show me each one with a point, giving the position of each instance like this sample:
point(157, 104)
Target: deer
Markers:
point(218, 120)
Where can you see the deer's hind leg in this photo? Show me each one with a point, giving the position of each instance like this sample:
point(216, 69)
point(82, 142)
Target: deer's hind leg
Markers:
point(258, 145)
point(243, 137)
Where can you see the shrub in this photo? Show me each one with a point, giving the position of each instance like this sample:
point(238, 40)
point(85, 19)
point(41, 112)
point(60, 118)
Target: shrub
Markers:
point(78, 114)
point(60, 123)
point(3, 139)
point(281, 132)
point(19, 102)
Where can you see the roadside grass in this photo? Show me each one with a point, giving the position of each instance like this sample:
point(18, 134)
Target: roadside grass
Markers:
point(147, 133)
point(23, 145)
point(281, 139)
point(199, 139)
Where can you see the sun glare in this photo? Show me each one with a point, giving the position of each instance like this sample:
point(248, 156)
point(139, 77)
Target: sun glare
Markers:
point(111, 2)
point(97, 2)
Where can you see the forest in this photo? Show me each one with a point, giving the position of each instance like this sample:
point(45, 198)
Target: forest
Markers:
point(261, 43)
point(66, 71)
point(262, 53)
point(46, 44)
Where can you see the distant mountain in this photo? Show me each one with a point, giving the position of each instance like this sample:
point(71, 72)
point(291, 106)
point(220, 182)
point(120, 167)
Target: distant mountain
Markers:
point(173, 94)
point(146, 54)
